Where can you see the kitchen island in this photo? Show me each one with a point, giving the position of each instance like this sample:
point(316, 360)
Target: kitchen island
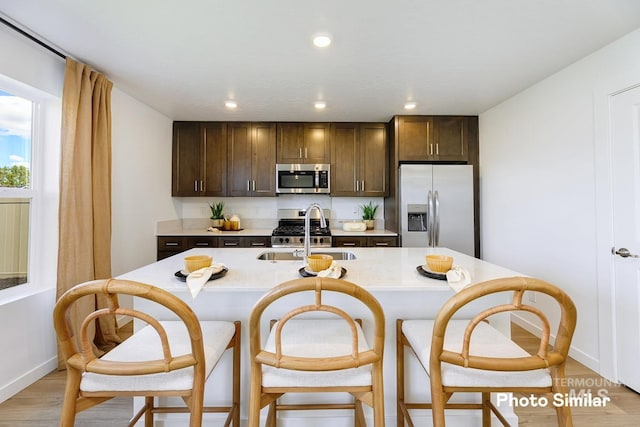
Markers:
point(389, 273)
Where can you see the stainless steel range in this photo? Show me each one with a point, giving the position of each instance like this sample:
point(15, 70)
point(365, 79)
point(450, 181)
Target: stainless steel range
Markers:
point(290, 230)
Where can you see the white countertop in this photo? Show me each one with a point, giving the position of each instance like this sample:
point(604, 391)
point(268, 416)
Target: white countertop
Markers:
point(379, 269)
point(266, 232)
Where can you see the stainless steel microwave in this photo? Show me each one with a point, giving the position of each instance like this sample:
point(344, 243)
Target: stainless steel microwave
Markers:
point(302, 178)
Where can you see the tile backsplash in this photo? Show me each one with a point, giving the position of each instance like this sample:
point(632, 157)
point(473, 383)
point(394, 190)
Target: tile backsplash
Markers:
point(261, 212)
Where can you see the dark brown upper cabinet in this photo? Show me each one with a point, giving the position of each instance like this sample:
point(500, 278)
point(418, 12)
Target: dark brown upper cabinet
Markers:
point(251, 162)
point(303, 143)
point(199, 165)
point(359, 159)
point(433, 138)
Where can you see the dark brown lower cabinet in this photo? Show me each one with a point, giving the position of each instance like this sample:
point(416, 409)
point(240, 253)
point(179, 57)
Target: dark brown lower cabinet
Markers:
point(364, 241)
point(171, 245)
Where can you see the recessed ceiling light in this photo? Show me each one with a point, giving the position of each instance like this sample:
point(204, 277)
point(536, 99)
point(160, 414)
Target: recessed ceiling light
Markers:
point(322, 39)
point(409, 105)
point(320, 105)
point(231, 104)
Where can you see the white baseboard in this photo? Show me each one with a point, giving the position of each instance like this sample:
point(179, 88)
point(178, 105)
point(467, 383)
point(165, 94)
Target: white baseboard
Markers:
point(575, 353)
point(19, 384)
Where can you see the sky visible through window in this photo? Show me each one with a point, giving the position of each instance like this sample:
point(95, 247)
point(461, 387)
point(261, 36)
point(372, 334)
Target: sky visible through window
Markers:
point(15, 131)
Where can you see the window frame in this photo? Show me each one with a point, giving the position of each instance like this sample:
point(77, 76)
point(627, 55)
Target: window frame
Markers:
point(37, 279)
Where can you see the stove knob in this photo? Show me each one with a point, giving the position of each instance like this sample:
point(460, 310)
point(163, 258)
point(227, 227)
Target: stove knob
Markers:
point(286, 240)
point(321, 240)
point(281, 240)
point(315, 240)
point(302, 240)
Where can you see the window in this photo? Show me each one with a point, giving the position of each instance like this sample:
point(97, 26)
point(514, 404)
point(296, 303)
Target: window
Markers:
point(16, 189)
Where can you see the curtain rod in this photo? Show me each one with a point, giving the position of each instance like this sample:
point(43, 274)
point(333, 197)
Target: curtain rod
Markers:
point(32, 38)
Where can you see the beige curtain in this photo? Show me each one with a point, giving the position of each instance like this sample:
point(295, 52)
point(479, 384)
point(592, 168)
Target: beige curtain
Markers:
point(85, 190)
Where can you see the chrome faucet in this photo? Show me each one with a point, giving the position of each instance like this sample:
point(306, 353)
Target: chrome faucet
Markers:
point(323, 224)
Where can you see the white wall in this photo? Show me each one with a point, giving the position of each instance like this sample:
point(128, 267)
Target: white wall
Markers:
point(25, 311)
point(141, 179)
point(538, 180)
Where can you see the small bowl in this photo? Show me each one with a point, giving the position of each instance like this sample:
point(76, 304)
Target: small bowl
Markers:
point(439, 263)
point(196, 262)
point(319, 262)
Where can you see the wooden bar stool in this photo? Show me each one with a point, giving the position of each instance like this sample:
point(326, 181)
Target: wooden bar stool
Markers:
point(164, 358)
point(472, 356)
point(312, 354)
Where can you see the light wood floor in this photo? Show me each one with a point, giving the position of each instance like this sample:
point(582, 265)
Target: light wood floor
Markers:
point(39, 404)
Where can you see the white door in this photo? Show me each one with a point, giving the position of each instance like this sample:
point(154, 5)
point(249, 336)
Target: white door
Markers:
point(625, 138)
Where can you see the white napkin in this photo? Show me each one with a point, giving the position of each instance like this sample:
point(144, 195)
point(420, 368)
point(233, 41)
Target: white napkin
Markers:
point(458, 278)
point(197, 279)
point(334, 271)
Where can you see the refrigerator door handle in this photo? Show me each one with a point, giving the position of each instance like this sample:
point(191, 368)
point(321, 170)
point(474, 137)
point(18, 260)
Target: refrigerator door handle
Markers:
point(436, 219)
point(430, 218)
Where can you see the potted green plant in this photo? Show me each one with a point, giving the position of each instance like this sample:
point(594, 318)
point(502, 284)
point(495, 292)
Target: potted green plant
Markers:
point(369, 214)
point(217, 219)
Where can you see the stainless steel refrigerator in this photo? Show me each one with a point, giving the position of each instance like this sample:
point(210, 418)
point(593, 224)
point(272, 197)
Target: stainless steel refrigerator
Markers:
point(437, 207)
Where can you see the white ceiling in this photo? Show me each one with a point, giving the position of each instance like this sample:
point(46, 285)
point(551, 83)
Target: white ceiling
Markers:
point(451, 57)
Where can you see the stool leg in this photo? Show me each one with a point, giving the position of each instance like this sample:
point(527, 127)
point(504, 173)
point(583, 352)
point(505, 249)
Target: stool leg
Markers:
point(399, 373)
point(486, 409)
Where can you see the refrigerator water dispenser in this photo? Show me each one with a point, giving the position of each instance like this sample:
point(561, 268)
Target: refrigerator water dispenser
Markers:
point(416, 217)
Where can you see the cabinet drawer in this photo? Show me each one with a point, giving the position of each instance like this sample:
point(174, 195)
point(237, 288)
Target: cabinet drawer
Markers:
point(349, 241)
point(230, 242)
point(202, 242)
point(171, 243)
point(257, 242)
point(382, 241)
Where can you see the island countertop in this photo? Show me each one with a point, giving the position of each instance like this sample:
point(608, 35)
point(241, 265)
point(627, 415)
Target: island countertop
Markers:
point(379, 269)
point(388, 273)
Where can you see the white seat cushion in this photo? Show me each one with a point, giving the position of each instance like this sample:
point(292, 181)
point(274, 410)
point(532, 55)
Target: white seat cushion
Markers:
point(145, 345)
point(485, 341)
point(316, 338)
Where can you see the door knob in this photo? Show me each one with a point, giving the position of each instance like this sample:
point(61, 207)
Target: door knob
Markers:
point(624, 253)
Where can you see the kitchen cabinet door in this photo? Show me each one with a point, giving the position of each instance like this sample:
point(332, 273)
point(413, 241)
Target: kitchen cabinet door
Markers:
point(433, 138)
point(199, 159)
point(359, 160)
point(372, 166)
point(414, 138)
point(263, 159)
point(251, 159)
point(344, 155)
point(186, 174)
point(317, 143)
point(303, 143)
point(450, 138)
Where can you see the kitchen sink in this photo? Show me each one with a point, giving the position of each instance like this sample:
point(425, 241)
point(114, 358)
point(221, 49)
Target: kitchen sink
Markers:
point(297, 255)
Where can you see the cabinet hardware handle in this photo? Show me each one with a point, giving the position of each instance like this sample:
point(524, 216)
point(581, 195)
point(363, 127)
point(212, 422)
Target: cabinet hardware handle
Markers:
point(300, 152)
point(248, 186)
point(431, 149)
point(348, 244)
point(231, 243)
point(254, 185)
point(362, 186)
point(201, 185)
point(437, 149)
point(381, 244)
point(195, 185)
point(305, 152)
point(171, 244)
point(357, 185)
point(202, 244)
point(257, 244)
